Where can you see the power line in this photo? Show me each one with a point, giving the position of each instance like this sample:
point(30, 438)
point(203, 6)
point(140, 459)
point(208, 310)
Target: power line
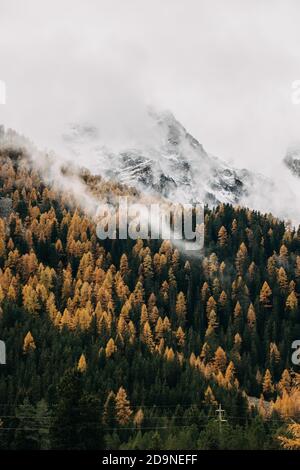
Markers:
point(136, 428)
point(200, 405)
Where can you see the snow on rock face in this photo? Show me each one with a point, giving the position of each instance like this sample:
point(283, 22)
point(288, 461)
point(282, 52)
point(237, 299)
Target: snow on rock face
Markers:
point(175, 165)
point(292, 161)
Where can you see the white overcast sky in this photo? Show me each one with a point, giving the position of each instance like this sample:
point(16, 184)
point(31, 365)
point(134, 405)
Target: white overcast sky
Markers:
point(223, 67)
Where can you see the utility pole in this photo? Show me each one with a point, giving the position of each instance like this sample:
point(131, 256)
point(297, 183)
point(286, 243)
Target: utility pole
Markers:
point(220, 417)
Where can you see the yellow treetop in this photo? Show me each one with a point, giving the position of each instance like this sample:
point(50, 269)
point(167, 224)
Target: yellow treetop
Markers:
point(110, 348)
point(82, 364)
point(265, 293)
point(29, 344)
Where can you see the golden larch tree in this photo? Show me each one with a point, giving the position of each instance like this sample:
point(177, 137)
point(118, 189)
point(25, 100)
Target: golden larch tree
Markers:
point(82, 365)
point(241, 258)
point(180, 336)
point(220, 360)
point(144, 316)
point(124, 269)
point(222, 236)
point(147, 337)
point(292, 440)
point(181, 308)
point(285, 382)
point(230, 375)
point(169, 354)
point(291, 302)
point(283, 255)
point(282, 280)
point(123, 410)
point(29, 344)
point(138, 418)
point(30, 299)
point(111, 348)
point(265, 294)
point(211, 305)
point(268, 387)
point(223, 299)
point(251, 317)
point(237, 312)
point(159, 329)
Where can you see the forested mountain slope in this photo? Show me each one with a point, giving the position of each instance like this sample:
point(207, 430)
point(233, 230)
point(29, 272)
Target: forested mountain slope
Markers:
point(133, 344)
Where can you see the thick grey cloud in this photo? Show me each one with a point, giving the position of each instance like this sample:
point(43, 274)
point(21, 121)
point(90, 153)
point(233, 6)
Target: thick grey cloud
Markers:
point(224, 68)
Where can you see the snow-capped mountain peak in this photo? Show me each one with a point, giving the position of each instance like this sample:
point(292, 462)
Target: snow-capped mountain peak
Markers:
point(176, 165)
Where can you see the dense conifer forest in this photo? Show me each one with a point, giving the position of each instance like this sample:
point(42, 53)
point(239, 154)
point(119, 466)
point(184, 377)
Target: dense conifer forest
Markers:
point(124, 344)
